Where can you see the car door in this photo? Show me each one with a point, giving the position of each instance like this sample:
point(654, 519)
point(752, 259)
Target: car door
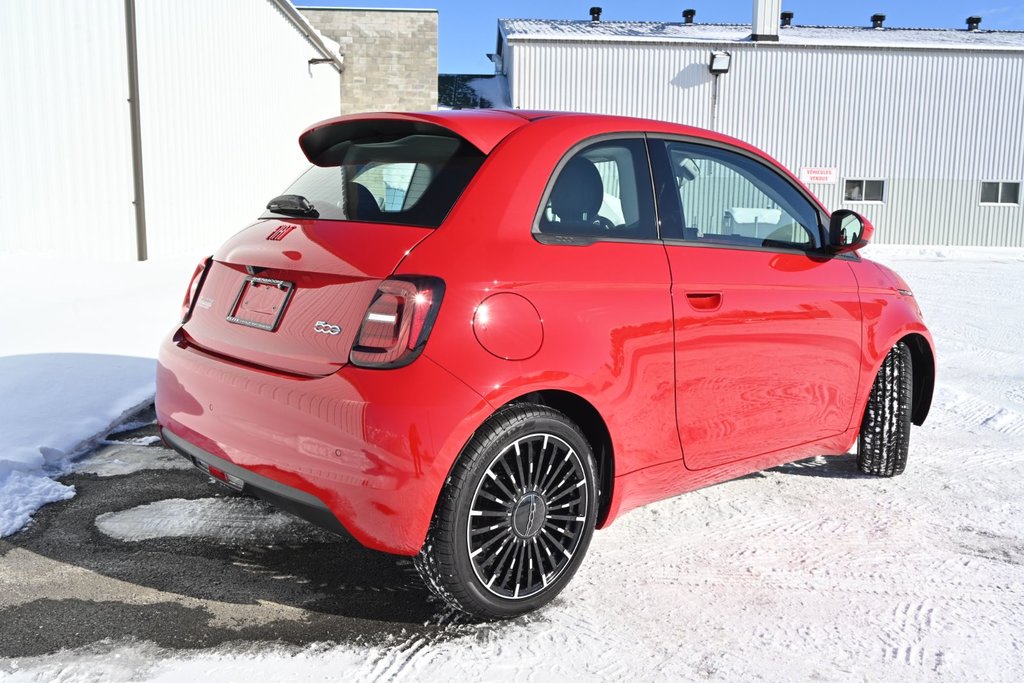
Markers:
point(767, 325)
point(600, 280)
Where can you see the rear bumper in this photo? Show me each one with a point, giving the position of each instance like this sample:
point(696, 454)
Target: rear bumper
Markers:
point(292, 500)
point(360, 451)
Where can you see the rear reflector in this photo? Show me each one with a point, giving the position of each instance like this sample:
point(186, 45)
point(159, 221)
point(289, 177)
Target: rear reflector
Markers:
point(219, 474)
point(398, 322)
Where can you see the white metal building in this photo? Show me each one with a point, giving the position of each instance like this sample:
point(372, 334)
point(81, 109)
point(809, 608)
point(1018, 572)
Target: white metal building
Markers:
point(920, 130)
point(224, 89)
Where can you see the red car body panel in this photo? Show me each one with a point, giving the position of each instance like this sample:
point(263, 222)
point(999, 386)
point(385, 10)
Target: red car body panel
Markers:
point(661, 339)
point(783, 331)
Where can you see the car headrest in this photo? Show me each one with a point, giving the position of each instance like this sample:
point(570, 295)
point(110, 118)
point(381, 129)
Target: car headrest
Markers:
point(578, 192)
point(362, 204)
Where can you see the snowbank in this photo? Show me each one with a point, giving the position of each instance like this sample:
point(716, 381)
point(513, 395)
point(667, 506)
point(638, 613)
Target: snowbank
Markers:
point(77, 352)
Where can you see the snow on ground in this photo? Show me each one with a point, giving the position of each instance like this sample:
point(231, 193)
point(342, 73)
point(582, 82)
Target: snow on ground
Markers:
point(807, 571)
point(118, 459)
point(77, 353)
point(238, 520)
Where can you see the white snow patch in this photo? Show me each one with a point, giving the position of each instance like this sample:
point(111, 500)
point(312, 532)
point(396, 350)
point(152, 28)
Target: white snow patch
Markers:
point(77, 353)
point(143, 440)
point(229, 520)
point(119, 459)
point(22, 493)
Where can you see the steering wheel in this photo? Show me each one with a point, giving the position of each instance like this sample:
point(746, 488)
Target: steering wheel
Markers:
point(602, 222)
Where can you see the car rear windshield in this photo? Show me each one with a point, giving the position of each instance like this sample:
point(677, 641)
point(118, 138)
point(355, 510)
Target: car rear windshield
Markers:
point(412, 179)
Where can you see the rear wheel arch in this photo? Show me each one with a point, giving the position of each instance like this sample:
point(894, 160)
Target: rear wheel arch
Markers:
point(591, 423)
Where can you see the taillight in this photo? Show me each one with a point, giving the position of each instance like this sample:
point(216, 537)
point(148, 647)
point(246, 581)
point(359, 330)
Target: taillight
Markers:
point(194, 285)
point(398, 322)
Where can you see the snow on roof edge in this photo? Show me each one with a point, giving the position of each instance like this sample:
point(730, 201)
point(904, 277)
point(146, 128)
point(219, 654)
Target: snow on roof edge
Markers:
point(799, 35)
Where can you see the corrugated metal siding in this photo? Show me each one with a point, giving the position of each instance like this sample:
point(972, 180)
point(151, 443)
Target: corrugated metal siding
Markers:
point(225, 90)
point(932, 123)
point(65, 151)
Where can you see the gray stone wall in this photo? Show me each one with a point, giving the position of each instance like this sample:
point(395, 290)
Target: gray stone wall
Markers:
point(390, 57)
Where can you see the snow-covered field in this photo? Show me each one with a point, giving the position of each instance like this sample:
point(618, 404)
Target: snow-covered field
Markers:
point(805, 571)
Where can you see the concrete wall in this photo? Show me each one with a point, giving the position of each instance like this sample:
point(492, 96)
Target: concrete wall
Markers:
point(390, 56)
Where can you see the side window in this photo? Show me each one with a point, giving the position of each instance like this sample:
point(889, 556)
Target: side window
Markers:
point(728, 198)
point(602, 191)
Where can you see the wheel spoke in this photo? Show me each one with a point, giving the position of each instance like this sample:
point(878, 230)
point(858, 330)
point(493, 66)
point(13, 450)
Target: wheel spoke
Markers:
point(540, 463)
point(506, 536)
point(572, 503)
point(567, 491)
point(559, 529)
point(553, 477)
point(519, 466)
point(499, 564)
point(520, 557)
point(488, 513)
point(497, 482)
point(495, 499)
point(512, 477)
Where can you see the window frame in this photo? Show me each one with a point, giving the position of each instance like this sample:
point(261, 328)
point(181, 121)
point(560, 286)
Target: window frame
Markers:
point(549, 238)
point(662, 169)
point(864, 182)
point(999, 192)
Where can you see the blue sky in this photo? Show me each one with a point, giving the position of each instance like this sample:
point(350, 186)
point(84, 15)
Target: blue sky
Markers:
point(467, 29)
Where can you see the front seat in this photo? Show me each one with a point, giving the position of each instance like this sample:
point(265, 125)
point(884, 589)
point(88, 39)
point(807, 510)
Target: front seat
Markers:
point(576, 198)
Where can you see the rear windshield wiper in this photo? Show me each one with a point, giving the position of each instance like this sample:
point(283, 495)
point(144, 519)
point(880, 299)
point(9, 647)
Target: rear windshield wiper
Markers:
point(293, 205)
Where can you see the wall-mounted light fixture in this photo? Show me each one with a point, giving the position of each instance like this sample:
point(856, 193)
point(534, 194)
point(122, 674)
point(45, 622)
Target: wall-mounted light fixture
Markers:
point(720, 62)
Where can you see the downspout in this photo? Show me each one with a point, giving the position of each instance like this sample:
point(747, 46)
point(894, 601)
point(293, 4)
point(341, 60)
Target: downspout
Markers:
point(309, 33)
point(136, 130)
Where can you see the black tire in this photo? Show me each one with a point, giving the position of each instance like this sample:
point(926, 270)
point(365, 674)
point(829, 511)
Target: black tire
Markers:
point(885, 430)
point(531, 472)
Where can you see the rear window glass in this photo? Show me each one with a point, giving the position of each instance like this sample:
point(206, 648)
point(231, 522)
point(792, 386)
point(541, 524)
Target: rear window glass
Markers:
point(409, 179)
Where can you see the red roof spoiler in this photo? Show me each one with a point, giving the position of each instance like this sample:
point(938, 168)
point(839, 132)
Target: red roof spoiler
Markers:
point(482, 128)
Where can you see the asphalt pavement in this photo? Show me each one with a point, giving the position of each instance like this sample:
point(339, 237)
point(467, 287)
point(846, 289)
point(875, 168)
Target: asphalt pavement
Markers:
point(64, 583)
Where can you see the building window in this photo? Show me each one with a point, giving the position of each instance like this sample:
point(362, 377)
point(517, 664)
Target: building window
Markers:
point(864, 191)
point(1000, 193)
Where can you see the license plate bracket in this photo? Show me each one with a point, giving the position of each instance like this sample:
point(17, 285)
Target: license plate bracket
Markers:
point(260, 303)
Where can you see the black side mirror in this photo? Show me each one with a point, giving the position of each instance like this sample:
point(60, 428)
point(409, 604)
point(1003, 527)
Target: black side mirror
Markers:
point(293, 205)
point(848, 231)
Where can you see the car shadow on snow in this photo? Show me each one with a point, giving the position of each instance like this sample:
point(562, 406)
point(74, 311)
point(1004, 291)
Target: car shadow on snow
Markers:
point(842, 466)
point(303, 586)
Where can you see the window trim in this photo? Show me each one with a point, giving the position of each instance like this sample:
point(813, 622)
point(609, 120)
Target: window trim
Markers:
point(999, 193)
point(885, 191)
point(823, 214)
point(586, 240)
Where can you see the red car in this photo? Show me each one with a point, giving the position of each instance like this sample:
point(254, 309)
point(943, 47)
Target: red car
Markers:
point(472, 337)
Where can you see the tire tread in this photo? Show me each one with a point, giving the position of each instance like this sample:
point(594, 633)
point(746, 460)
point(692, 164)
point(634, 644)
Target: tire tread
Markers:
point(885, 430)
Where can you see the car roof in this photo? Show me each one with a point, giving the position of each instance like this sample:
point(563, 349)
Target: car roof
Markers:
point(485, 128)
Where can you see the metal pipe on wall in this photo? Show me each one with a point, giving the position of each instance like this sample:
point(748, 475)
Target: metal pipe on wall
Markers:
point(136, 131)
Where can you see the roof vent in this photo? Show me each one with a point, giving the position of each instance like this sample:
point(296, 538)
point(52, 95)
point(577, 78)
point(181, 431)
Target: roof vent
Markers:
point(877, 20)
point(787, 19)
point(595, 14)
point(973, 23)
point(688, 15)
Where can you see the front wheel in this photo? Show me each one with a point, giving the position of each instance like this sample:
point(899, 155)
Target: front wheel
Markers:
point(885, 430)
point(516, 515)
